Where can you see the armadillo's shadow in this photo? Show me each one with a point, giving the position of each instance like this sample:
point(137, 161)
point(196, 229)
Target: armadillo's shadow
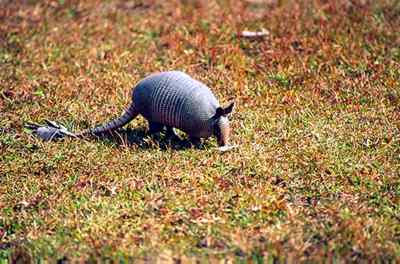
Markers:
point(141, 138)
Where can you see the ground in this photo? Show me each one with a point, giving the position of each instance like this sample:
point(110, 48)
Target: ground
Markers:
point(316, 176)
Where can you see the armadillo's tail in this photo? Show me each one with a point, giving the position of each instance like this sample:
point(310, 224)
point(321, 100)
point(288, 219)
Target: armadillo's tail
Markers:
point(129, 114)
point(54, 130)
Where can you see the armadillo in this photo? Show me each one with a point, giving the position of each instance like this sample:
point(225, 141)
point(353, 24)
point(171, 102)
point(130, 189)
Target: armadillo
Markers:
point(168, 99)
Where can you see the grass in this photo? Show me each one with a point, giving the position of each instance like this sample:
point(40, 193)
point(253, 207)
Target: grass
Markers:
point(317, 174)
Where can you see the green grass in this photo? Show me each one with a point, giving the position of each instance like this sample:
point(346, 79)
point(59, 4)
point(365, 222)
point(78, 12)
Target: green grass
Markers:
point(317, 173)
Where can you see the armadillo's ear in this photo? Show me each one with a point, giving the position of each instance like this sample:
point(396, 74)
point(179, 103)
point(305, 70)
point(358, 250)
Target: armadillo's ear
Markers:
point(224, 111)
point(228, 109)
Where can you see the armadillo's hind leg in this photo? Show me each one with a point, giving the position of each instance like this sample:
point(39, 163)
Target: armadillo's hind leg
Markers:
point(155, 128)
point(171, 134)
point(195, 141)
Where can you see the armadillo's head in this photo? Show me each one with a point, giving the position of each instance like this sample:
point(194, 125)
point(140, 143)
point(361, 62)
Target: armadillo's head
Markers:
point(221, 127)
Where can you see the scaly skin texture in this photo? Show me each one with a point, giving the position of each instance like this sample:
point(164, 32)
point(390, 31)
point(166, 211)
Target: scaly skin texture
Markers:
point(175, 99)
point(171, 99)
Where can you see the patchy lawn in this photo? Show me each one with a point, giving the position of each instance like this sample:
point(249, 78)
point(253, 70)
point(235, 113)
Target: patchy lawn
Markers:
point(317, 174)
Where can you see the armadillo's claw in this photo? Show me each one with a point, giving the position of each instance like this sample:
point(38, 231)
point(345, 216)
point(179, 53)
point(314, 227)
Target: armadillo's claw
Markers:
point(227, 148)
point(50, 132)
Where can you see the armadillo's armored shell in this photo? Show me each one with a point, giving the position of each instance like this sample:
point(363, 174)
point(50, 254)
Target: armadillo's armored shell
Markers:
point(175, 99)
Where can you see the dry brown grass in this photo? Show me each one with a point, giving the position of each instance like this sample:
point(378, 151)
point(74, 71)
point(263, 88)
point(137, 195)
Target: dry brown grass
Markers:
point(316, 176)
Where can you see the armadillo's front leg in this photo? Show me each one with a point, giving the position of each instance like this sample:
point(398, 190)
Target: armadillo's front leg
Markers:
point(155, 128)
point(195, 141)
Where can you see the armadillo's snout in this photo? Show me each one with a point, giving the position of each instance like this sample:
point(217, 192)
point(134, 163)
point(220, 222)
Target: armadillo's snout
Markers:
point(224, 139)
point(222, 129)
point(223, 132)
